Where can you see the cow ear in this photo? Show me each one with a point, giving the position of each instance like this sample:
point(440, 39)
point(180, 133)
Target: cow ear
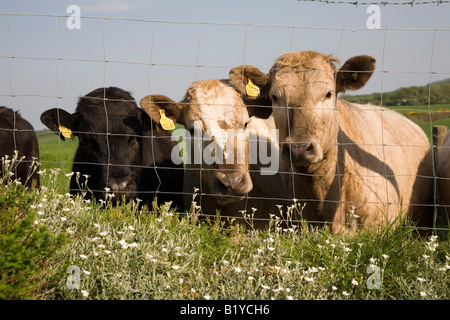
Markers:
point(59, 121)
point(158, 106)
point(355, 73)
point(253, 85)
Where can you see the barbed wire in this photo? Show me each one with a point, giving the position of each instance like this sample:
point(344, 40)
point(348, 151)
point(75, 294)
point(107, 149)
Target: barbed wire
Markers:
point(381, 3)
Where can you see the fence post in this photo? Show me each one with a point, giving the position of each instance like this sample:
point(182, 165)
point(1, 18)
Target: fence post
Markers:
point(438, 138)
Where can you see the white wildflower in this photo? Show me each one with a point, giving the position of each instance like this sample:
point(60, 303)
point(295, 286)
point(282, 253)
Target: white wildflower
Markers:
point(176, 267)
point(83, 256)
point(85, 293)
point(86, 272)
point(421, 279)
point(123, 243)
point(354, 282)
point(237, 269)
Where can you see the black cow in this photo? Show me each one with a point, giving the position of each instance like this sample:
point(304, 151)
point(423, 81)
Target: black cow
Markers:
point(120, 148)
point(16, 133)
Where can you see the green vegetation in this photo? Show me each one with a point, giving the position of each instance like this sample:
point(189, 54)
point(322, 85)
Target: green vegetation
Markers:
point(437, 93)
point(55, 153)
point(130, 252)
point(127, 251)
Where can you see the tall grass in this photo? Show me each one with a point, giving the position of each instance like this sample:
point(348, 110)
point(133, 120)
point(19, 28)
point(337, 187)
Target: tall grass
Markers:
point(127, 251)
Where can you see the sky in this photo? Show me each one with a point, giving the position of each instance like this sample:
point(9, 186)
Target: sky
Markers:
point(162, 46)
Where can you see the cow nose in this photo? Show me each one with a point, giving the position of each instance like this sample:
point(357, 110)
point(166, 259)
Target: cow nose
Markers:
point(299, 152)
point(121, 187)
point(234, 182)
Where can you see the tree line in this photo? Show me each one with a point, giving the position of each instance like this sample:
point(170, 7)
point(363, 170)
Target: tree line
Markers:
point(439, 93)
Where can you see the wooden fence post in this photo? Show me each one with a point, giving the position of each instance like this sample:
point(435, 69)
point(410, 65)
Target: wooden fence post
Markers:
point(438, 138)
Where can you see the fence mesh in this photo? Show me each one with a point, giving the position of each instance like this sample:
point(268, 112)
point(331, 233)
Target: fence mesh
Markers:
point(52, 71)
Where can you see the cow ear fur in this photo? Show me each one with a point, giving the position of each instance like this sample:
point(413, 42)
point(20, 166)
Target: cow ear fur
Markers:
point(55, 118)
point(152, 104)
point(355, 73)
point(256, 105)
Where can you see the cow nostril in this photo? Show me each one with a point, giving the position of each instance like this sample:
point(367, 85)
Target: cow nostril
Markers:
point(309, 148)
point(119, 186)
point(223, 179)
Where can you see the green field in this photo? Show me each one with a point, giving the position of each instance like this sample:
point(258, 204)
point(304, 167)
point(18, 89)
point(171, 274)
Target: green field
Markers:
point(427, 116)
point(56, 154)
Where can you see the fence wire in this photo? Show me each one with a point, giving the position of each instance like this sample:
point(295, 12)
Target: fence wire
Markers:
point(150, 64)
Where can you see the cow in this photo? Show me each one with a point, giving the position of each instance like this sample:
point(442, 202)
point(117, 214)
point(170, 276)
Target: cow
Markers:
point(220, 137)
point(443, 174)
point(17, 134)
point(120, 151)
point(356, 166)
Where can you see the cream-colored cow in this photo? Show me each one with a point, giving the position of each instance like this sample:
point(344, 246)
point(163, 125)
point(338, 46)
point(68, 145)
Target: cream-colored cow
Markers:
point(224, 149)
point(356, 165)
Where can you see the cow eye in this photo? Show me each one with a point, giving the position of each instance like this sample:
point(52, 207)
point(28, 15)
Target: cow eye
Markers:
point(329, 94)
point(274, 98)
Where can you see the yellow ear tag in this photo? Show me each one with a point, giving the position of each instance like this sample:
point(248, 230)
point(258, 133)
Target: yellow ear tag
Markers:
point(66, 132)
point(166, 123)
point(355, 75)
point(252, 89)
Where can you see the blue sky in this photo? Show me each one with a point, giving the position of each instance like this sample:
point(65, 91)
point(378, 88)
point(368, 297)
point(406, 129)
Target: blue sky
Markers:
point(187, 41)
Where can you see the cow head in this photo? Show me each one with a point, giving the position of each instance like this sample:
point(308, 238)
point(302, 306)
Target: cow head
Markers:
point(109, 126)
point(216, 118)
point(302, 87)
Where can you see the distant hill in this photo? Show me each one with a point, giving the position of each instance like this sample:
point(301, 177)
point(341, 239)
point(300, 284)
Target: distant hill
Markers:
point(415, 95)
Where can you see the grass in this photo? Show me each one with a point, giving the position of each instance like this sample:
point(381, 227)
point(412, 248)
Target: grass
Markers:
point(132, 252)
point(127, 251)
point(55, 153)
point(427, 116)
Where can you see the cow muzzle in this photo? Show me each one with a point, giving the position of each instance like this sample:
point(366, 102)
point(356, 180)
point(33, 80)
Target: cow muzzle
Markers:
point(231, 186)
point(300, 153)
point(122, 187)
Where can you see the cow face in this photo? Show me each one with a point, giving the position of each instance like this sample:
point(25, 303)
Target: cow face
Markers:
point(214, 114)
point(109, 127)
point(302, 87)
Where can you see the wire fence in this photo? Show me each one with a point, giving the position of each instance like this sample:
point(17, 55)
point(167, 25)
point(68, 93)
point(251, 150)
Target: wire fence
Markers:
point(380, 3)
point(12, 58)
